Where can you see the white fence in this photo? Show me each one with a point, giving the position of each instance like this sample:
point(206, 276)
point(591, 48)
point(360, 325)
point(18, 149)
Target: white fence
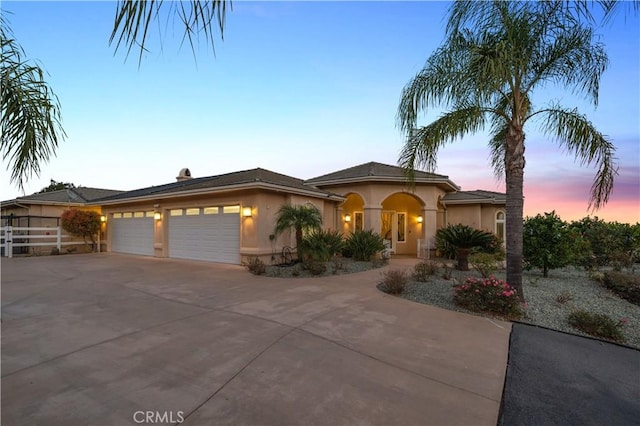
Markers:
point(13, 236)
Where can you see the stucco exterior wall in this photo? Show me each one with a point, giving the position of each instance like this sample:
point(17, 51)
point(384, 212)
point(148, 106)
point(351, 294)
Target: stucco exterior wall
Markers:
point(480, 216)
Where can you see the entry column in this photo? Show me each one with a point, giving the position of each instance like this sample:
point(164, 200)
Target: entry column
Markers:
point(429, 226)
point(373, 218)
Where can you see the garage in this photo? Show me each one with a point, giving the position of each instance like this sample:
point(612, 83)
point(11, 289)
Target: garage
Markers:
point(132, 233)
point(205, 233)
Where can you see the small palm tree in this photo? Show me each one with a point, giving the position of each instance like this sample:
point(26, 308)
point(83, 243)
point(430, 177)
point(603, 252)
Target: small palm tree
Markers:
point(464, 238)
point(302, 218)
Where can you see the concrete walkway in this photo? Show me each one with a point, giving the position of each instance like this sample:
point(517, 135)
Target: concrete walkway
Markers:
point(107, 339)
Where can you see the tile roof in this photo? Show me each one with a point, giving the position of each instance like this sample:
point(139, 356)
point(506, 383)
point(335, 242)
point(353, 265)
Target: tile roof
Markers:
point(72, 195)
point(371, 171)
point(479, 196)
point(242, 178)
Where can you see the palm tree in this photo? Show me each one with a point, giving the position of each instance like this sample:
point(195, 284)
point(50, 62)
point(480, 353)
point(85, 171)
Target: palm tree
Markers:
point(302, 218)
point(464, 238)
point(29, 111)
point(486, 72)
point(133, 18)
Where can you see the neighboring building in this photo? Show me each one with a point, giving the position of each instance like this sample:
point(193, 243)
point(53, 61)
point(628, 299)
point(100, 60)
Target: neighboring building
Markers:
point(44, 210)
point(229, 217)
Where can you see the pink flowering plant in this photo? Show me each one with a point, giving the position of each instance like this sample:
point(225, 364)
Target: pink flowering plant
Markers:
point(488, 295)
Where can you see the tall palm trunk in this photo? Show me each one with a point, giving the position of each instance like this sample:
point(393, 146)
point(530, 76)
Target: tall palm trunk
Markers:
point(514, 175)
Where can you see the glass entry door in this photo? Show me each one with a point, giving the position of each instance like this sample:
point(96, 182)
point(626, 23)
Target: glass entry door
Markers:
point(393, 228)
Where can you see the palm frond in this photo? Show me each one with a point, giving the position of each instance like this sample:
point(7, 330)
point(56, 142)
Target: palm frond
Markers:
point(30, 111)
point(578, 135)
point(134, 18)
point(422, 145)
point(571, 60)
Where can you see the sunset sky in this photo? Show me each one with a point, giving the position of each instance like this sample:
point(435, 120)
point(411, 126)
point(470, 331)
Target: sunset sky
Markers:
point(300, 88)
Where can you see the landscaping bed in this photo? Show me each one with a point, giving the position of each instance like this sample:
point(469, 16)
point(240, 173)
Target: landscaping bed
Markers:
point(549, 300)
point(322, 269)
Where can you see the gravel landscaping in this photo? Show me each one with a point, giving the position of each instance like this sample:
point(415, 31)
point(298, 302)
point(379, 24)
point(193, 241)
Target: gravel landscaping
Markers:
point(337, 267)
point(549, 300)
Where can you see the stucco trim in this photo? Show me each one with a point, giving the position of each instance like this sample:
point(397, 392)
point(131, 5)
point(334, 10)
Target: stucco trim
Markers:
point(222, 190)
point(370, 179)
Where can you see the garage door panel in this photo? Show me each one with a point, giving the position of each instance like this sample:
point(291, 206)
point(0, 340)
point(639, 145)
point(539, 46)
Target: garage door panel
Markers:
point(132, 236)
point(214, 238)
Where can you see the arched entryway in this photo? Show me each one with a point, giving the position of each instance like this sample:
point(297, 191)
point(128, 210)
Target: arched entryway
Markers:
point(402, 222)
point(353, 213)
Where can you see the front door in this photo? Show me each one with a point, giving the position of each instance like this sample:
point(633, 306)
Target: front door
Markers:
point(393, 228)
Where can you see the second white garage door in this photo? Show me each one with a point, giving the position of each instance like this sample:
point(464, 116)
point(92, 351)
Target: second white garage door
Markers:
point(209, 233)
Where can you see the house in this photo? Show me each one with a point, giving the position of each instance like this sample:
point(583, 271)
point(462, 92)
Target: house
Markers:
point(229, 217)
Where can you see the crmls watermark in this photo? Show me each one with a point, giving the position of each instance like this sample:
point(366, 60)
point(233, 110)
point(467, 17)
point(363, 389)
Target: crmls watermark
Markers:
point(152, 417)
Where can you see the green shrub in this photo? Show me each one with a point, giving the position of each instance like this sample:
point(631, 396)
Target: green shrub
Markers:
point(423, 270)
point(463, 238)
point(394, 281)
point(314, 267)
point(255, 265)
point(363, 245)
point(599, 325)
point(321, 245)
point(484, 263)
point(82, 223)
point(626, 286)
point(488, 295)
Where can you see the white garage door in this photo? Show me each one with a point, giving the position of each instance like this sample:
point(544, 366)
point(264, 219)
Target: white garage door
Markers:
point(132, 232)
point(209, 233)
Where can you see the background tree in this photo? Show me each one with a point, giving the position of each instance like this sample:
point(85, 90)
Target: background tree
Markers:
point(608, 241)
point(56, 186)
point(486, 72)
point(81, 223)
point(303, 219)
point(29, 111)
point(550, 243)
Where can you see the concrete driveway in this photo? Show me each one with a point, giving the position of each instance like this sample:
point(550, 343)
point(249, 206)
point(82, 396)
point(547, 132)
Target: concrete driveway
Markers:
point(107, 339)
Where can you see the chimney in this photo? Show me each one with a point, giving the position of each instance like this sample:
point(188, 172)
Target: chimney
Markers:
point(184, 174)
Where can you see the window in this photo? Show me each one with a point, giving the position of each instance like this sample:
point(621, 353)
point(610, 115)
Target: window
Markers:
point(211, 210)
point(402, 222)
point(358, 221)
point(149, 213)
point(127, 215)
point(231, 209)
point(193, 212)
point(175, 212)
point(138, 214)
point(500, 218)
point(117, 215)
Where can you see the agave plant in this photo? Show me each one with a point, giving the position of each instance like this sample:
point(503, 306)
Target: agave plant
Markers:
point(463, 238)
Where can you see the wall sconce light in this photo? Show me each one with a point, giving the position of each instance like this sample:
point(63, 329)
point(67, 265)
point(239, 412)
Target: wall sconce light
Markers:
point(246, 212)
point(103, 218)
point(347, 218)
point(420, 219)
point(157, 216)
